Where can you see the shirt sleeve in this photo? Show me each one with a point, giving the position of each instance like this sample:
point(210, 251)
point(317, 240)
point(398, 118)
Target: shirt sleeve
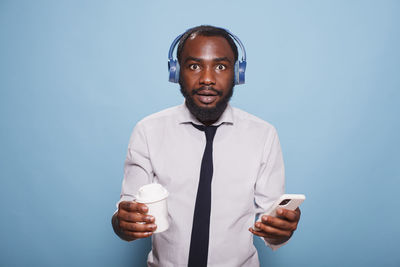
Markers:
point(270, 184)
point(138, 170)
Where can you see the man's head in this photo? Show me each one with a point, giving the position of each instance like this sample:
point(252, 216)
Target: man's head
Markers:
point(207, 57)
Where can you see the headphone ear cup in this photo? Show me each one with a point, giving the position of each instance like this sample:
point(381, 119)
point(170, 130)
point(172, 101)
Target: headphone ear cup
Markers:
point(239, 71)
point(173, 67)
point(177, 71)
point(236, 74)
point(240, 68)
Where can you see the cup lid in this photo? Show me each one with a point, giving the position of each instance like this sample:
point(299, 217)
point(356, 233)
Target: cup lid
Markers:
point(151, 193)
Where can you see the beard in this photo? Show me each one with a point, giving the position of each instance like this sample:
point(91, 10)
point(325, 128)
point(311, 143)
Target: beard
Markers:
point(206, 114)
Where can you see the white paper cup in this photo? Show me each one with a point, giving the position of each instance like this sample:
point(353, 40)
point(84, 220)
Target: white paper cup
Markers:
point(155, 197)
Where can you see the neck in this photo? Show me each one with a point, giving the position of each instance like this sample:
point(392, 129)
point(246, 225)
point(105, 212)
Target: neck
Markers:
point(206, 116)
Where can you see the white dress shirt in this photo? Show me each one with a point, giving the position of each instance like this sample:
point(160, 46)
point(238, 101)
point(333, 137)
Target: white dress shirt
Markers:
point(248, 177)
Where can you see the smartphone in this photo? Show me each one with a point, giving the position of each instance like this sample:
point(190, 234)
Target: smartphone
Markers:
point(286, 201)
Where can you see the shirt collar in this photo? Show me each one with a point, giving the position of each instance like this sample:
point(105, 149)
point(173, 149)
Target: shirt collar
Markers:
point(185, 116)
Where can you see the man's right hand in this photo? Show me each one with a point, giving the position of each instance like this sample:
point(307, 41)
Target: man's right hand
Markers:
point(131, 221)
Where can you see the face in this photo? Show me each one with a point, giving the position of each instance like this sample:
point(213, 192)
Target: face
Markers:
point(207, 76)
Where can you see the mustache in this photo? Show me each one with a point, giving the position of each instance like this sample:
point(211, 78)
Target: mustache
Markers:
point(210, 88)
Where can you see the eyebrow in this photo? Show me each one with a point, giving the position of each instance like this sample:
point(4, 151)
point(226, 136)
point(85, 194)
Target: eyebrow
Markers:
point(222, 59)
point(218, 59)
point(192, 59)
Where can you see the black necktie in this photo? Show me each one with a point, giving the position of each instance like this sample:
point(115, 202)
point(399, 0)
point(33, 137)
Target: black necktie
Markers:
point(198, 252)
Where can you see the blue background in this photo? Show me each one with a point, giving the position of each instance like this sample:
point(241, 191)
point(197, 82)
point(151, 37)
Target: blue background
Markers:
point(75, 77)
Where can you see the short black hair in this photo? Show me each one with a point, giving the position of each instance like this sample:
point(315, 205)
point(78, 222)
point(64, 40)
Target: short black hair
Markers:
point(206, 30)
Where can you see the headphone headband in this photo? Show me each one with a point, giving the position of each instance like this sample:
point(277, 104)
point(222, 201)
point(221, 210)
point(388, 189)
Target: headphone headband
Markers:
point(174, 68)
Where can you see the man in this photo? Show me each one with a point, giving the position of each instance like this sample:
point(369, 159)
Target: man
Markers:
point(170, 148)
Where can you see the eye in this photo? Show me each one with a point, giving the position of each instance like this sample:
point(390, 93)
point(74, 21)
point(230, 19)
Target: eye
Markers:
point(221, 67)
point(194, 66)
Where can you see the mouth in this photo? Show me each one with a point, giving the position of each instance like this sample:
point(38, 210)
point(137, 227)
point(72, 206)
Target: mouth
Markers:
point(207, 99)
point(207, 96)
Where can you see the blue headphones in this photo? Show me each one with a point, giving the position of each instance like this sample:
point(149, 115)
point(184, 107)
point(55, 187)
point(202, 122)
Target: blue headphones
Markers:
point(173, 64)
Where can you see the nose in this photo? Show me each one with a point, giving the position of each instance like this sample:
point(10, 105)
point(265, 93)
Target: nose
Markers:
point(207, 76)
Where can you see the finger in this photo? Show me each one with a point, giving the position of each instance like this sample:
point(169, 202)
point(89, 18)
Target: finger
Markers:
point(291, 215)
point(264, 234)
point(137, 235)
point(279, 223)
point(273, 232)
point(137, 227)
point(257, 233)
point(133, 206)
point(129, 216)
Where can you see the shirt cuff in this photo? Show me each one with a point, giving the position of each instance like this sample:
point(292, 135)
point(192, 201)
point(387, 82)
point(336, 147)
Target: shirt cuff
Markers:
point(273, 247)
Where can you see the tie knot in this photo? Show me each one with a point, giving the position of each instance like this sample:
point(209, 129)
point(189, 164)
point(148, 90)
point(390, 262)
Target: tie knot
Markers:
point(209, 131)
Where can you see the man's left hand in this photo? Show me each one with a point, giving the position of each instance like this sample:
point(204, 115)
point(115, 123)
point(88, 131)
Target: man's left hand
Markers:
point(277, 230)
